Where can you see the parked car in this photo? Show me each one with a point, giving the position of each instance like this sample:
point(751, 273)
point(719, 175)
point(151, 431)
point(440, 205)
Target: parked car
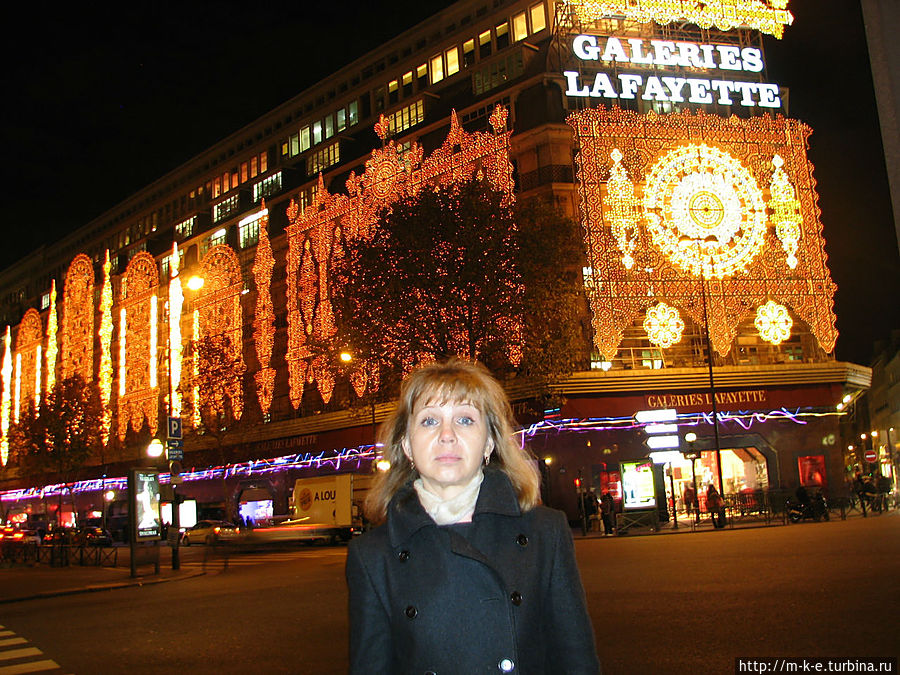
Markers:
point(16, 534)
point(93, 536)
point(209, 532)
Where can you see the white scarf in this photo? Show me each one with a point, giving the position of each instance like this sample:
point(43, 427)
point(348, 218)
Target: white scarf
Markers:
point(459, 509)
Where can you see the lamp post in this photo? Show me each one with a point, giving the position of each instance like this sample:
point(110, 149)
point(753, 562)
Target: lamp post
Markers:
point(347, 358)
point(692, 454)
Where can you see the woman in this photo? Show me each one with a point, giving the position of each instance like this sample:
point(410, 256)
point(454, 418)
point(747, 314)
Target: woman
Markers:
point(466, 574)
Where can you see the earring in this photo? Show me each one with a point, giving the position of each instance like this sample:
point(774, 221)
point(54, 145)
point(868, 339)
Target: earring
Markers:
point(412, 464)
point(487, 459)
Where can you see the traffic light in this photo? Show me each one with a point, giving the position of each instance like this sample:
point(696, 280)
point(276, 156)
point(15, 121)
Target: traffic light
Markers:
point(578, 483)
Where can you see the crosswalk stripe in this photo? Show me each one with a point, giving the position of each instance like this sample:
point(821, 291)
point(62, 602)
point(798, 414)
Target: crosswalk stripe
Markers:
point(9, 642)
point(33, 667)
point(19, 653)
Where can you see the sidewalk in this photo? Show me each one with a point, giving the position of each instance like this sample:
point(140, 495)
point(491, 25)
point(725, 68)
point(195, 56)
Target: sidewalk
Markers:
point(705, 525)
point(27, 582)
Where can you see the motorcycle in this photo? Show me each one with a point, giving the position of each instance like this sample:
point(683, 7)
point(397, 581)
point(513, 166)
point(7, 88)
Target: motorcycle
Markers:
point(815, 509)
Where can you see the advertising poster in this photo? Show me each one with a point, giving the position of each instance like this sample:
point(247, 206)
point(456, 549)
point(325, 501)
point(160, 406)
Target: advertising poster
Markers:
point(637, 485)
point(146, 504)
point(812, 470)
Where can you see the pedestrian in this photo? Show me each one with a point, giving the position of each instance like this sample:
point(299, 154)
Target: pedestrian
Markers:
point(715, 506)
point(465, 572)
point(689, 497)
point(608, 513)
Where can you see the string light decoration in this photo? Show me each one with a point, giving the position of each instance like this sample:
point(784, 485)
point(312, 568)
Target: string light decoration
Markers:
point(664, 325)
point(105, 374)
point(176, 302)
point(773, 322)
point(318, 234)
point(219, 310)
point(52, 348)
point(28, 361)
point(78, 319)
point(138, 387)
point(264, 318)
point(17, 388)
point(622, 206)
point(5, 401)
point(785, 211)
point(703, 226)
point(768, 16)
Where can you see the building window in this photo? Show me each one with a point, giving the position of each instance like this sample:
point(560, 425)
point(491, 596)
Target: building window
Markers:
point(225, 208)
point(393, 91)
point(316, 133)
point(484, 44)
point(520, 27)
point(324, 158)
point(329, 127)
point(452, 56)
point(45, 300)
point(248, 231)
point(341, 120)
point(651, 358)
point(407, 116)
point(468, 53)
point(497, 73)
point(137, 248)
point(185, 228)
point(217, 238)
point(407, 84)
point(353, 113)
point(167, 261)
point(421, 77)
point(503, 35)
point(304, 139)
point(538, 18)
point(267, 187)
point(437, 68)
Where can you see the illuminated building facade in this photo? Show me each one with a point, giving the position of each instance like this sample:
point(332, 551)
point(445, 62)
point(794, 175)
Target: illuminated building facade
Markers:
point(651, 122)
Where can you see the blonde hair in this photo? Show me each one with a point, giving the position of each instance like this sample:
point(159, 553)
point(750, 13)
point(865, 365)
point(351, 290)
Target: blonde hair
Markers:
point(453, 381)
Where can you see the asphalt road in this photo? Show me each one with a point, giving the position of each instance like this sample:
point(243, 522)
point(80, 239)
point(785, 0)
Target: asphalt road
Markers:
point(687, 603)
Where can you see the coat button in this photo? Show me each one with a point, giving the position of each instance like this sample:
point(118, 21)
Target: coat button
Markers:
point(403, 556)
point(411, 612)
point(506, 666)
point(516, 598)
point(522, 540)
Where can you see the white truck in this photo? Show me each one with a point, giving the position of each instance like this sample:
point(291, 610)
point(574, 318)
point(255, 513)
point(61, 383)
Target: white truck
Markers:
point(324, 509)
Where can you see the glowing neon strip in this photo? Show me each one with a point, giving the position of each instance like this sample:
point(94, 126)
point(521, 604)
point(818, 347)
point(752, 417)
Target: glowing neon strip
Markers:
point(52, 348)
point(18, 388)
point(6, 373)
point(176, 301)
point(153, 341)
point(106, 367)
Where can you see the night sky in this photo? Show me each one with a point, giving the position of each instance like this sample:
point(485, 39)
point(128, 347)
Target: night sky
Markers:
point(102, 99)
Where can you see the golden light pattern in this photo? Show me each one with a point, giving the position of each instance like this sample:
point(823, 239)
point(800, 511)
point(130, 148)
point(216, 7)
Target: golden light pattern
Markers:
point(6, 375)
point(768, 16)
point(17, 389)
point(52, 348)
point(176, 303)
point(105, 374)
point(704, 211)
point(317, 236)
point(622, 206)
point(669, 261)
point(195, 390)
point(28, 361)
point(138, 390)
point(78, 319)
point(219, 308)
point(264, 319)
point(663, 325)
point(785, 211)
point(773, 322)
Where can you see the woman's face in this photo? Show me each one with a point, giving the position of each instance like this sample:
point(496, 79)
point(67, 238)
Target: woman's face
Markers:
point(447, 442)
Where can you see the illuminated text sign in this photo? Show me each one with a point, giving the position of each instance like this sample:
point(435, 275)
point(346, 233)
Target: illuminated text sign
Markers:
point(722, 59)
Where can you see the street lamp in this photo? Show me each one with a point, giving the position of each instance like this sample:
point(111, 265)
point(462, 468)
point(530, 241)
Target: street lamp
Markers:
point(155, 449)
point(692, 454)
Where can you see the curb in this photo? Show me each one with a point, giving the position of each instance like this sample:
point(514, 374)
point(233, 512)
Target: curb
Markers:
point(96, 588)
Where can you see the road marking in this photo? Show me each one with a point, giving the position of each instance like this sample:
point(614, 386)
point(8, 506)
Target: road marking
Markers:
point(9, 642)
point(20, 653)
point(33, 667)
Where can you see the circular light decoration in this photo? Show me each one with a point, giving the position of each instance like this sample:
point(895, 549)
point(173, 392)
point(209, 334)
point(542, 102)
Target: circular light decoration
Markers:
point(664, 325)
point(773, 322)
point(704, 211)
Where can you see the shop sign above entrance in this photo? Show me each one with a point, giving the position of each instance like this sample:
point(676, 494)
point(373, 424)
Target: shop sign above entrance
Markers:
point(717, 59)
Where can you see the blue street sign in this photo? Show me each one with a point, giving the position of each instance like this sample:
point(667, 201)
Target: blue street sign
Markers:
point(175, 449)
point(174, 427)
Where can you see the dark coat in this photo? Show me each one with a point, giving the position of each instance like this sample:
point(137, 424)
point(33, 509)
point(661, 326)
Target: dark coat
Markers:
point(508, 595)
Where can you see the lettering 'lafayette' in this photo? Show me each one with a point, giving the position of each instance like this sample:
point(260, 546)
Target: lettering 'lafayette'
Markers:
point(674, 89)
point(704, 399)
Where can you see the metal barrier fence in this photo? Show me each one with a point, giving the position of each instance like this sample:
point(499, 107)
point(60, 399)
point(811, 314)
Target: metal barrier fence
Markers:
point(57, 554)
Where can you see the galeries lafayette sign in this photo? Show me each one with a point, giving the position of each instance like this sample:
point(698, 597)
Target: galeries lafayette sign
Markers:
point(721, 60)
